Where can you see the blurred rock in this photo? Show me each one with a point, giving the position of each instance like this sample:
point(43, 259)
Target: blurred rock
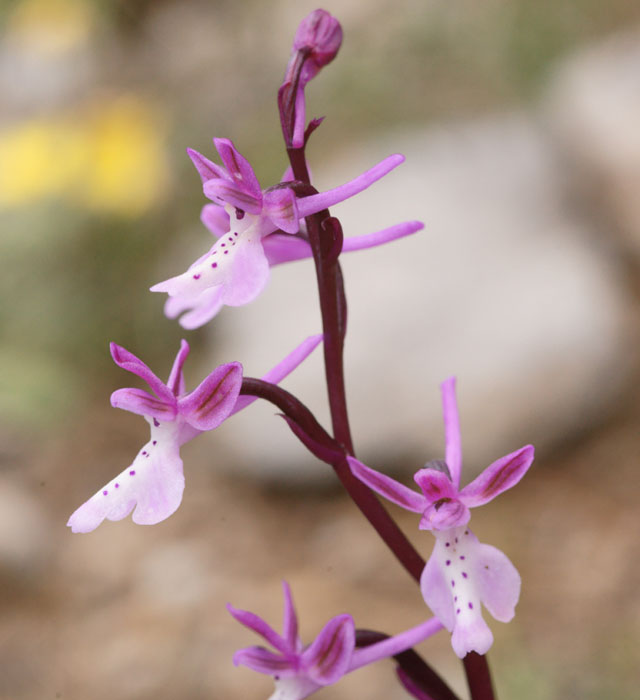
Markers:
point(594, 109)
point(506, 288)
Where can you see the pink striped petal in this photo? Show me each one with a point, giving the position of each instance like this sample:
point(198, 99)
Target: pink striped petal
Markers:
point(215, 218)
point(279, 205)
point(498, 477)
point(259, 626)
point(144, 404)
point(176, 378)
point(453, 444)
point(435, 484)
point(129, 362)
point(264, 661)
point(327, 659)
point(388, 487)
point(206, 168)
point(238, 167)
point(226, 192)
point(318, 202)
point(207, 406)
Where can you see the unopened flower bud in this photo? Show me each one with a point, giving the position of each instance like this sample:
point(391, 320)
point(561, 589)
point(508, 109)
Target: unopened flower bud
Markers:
point(321, 35)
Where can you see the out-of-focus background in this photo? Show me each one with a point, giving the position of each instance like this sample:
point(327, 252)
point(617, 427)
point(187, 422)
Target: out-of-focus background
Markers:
point(519, 121)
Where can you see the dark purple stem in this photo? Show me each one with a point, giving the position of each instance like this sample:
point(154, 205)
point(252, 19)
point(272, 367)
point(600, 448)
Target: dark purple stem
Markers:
point(413, 665)
point(478, 675)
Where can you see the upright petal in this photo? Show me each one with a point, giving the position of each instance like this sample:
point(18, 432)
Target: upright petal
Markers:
point(129, 362)
point(453, 445)
point(176, 377)
point(388, 487)
point(207, 406)
point(498, 477)
point(327, 659)
point(152, 484)
point(497, 582)
point(279, 205)
point(227, 192)
point(289, 619)
point(260, 627)
point(238, 167)
point(318, 202)
point(435, 484)
point(206, 168)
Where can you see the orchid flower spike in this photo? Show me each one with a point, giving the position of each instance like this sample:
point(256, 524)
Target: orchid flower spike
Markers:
point(297, 670)
point(154, 482)
point(245, 221)
point(461, 572)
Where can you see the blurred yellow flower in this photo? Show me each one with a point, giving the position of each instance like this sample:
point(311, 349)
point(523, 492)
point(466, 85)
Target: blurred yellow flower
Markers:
point(108, 157)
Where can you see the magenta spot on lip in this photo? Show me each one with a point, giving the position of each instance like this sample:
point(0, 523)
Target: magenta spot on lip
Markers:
point(226, 252)
point(222, 245)
point(155, 442)
point(448, 562)
point(464, 574)
point(455, 599)
point(144, 452)
point(147, 455)
point(132, 472)
point(235, 233)
point(230, 238)
point(196, 277)
point(466, 532)
point(446, 544)
point(470, 606)
point(104, 493)
point(214, 264)
point(458, 611)
point(456, 540)
point(156, 422)
point(462, 557)
point(453, 583)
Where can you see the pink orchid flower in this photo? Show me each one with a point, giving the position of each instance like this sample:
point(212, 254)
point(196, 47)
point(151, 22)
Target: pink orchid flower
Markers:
point(297, 671)
point(461, 573)
point(153, 484)
point(255, 230)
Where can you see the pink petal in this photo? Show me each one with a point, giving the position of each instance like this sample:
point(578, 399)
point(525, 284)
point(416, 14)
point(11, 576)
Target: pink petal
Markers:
point(283, 368)
point(444, 515)
point(259, 626)
point(327, 659)
point(280, 248)
point(388, 487)
point(207, 406)
point(249, 272)
point(435, 484)
point(386, 235)
point(290, 619)
point(176, 378)
point(497, 582)
point(474, 636)
point(129, 362)
point(204, 307)
point(318, 202)
point(144, 404)
point(264, 661)
point(279, 205)
point(498, 477)
point(206, 169)
point(228, 193)
point(215, 218)
point(238, 167)
point(436, 592)
point(453, 445)
point(153, 484)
